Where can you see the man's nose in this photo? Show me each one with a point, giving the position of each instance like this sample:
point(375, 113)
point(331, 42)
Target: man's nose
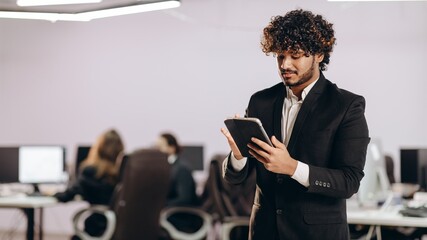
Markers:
point(286, 63)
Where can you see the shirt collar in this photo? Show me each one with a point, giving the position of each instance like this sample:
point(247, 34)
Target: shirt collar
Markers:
point(305, 92)
point(172, 158)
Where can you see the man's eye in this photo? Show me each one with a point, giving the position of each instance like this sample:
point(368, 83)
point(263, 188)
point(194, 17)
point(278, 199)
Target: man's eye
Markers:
point(296, 55)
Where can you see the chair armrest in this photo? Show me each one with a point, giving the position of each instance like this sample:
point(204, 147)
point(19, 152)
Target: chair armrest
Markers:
point(230, 223)
point(84, 213)
point(178, 235)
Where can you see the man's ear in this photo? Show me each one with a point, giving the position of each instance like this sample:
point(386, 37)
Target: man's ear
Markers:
point(172, 149)
point(318, 57)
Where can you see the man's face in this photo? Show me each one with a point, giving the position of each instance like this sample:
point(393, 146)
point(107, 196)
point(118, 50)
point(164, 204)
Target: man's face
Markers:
point(296, 69)
point(163, 146)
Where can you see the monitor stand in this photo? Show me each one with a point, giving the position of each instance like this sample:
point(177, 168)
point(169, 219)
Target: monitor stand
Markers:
point(36, 192)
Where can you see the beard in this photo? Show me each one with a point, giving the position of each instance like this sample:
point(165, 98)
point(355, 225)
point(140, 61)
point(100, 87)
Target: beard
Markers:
point(305, 77)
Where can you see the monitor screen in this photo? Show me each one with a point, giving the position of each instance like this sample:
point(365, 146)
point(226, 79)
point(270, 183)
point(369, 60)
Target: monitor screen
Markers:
point(413, 166)
point(41, 164)
point(82, 153)
point(192, 156)
point(9, 164)
point(408, 166)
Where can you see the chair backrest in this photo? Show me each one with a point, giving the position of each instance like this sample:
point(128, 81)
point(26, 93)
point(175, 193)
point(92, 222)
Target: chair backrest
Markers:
point(141, 195)
point(225, 199)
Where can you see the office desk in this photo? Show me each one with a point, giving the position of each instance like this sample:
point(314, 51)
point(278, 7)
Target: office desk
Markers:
point(376, 218)
point(29, 205)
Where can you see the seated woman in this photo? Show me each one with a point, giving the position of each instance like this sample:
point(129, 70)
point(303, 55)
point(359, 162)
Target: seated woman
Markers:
point(97, 179)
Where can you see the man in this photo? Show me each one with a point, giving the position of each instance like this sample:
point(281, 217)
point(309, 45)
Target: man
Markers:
point(319, 135)
point(182, 191)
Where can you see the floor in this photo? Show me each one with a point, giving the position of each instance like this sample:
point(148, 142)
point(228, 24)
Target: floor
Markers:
point(21, 236)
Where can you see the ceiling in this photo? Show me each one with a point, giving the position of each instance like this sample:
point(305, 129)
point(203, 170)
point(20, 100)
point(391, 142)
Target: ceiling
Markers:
point(10, 5)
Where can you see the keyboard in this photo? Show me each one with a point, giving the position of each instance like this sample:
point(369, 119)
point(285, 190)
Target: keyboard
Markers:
point(414, 212)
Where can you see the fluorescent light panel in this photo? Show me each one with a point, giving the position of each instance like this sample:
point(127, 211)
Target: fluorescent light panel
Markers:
point(87, 16)
point(129, 10)
point(53, 17)
point(28, 3)
point(377, 0)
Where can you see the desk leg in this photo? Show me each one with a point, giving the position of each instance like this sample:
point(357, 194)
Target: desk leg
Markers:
point(371, 231)
point(41, 224)
point(30, 222)
point(378, 230)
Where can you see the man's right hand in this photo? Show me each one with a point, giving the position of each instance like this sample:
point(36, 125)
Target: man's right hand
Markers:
point(232, 143)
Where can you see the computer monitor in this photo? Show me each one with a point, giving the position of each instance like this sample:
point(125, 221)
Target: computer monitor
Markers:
point(82, 153)
point(375, 186)
point(192, 156)
point(413, 166)
point(9, 169)
point(41, 164)
point(33, 164)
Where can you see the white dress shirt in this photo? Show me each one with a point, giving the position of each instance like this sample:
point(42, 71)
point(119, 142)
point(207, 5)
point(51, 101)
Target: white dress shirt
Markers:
point(290, 112)
point(172, 158)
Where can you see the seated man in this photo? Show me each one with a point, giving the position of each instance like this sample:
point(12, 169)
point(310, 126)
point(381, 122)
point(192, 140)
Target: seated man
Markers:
point(182, 191)
point(183, 188)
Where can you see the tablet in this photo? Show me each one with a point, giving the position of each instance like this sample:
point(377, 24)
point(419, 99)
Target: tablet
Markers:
point(243, 129)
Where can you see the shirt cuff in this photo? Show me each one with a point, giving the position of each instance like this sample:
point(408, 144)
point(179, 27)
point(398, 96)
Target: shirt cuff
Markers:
point(237, 165)
point(301, 174)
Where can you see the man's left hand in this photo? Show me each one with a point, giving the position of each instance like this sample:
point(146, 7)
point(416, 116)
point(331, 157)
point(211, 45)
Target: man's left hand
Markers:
point(275, 158)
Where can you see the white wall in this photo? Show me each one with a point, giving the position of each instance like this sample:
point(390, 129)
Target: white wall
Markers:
point(187, 69)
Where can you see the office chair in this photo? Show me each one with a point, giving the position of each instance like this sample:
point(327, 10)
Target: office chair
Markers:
point(137, 201)
point(230, 204)
point(178, 234)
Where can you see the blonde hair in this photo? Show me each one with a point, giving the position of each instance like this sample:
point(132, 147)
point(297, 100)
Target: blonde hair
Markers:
point(104, 154)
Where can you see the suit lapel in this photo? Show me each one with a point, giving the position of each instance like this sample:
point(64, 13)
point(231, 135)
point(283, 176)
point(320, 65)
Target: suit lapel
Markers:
point(277, 114)
point(307, 106)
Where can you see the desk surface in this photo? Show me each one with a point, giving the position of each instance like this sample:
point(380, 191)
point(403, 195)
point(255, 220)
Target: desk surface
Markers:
point(27, 202)
point(389, 216)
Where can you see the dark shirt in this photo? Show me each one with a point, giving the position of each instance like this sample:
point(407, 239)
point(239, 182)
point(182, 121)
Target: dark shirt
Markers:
point(92, 189)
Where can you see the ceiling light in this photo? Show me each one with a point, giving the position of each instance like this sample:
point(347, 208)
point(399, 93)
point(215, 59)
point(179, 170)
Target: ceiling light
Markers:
point(53, 17)
point(377, 0)
point(28, 3)
point(95, 14)
point(129, 10)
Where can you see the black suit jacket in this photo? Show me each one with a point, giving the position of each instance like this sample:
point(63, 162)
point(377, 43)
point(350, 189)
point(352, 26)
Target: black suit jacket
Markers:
point(331, 136)
point(182, 190)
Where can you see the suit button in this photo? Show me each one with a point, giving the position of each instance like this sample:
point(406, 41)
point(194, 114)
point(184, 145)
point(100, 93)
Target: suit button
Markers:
point(279, 211)
point(316, 182)
point(280, 180)
point(328, 185)
point(324, 184)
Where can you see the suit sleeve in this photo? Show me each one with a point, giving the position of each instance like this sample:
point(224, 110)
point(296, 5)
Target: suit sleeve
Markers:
point(232, 176)
point(229, 174)
point(77, 188)
point(347, 157)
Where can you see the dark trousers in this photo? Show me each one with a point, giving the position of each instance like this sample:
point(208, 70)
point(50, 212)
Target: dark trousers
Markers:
point(95, 225)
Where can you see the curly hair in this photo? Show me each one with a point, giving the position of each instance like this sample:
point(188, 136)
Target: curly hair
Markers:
point(299, 30)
